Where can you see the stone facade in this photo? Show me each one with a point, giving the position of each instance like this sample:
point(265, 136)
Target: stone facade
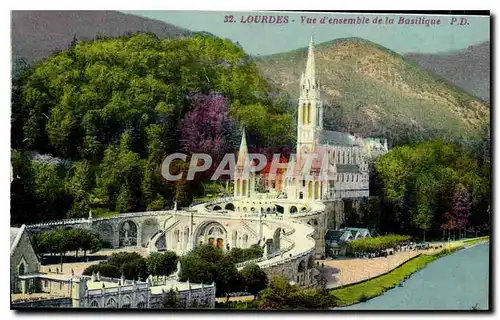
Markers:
point(100, 292)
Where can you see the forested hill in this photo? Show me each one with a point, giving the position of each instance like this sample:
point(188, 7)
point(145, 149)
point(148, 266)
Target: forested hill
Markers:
point(469, 68)
point(372, 91)
point(37, 34)
point(116, 107)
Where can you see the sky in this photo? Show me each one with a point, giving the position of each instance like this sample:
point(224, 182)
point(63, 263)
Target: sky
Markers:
point(264, 39)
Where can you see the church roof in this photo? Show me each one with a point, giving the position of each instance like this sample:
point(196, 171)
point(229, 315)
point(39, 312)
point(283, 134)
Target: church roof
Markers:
point(15, 237)
point(336, 138)
point(334, 234)
point(13, 234)
point(347, 168)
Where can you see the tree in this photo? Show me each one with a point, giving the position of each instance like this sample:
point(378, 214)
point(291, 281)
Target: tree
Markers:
point(162, 264)
point(422, 219)
point(461, 208)
point(207, 264)
point(79, 186)
point(255, 279)
point(277, 294)
point(227, 279)
point(204, 128)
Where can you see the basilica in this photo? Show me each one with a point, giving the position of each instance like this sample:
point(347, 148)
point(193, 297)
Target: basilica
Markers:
point(339, 168)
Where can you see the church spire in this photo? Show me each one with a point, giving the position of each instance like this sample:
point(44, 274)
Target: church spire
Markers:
point(243, 152)
point(310, 66)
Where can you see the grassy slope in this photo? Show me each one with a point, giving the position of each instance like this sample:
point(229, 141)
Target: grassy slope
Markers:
point(380, 87)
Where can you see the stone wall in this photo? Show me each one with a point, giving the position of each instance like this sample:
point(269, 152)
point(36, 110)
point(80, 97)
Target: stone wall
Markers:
point(299, 270)
point(48, 303)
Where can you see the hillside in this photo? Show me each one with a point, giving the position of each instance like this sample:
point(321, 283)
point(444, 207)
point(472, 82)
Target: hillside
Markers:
point(370, 90)
point(37, 34)
point(469, 68)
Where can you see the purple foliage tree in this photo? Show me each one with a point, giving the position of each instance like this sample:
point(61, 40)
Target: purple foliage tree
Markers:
point(207, 127)
point(461, 208)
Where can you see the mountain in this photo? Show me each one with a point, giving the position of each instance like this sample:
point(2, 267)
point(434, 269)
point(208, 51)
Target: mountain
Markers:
point(369, 90)
point(37, 34)
point(469, 68)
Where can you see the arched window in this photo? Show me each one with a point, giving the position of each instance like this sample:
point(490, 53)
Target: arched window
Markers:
point(21, 269)
point(94, 304)
point(111, 303)
point(304, 114)
point(309, 113)
point(245, 241)
point(126, 302)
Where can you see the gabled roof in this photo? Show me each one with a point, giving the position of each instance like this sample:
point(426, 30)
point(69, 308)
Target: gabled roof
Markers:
point(14, 232)
point(16, 235)
point(334, 234)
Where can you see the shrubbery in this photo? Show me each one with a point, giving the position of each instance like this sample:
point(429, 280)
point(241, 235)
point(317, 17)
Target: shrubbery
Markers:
point(238, 255)
point(375, 244)
point(207, 264)
point(132, 265)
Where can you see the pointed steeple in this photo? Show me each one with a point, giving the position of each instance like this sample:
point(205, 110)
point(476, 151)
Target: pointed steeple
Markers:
point(243, 152)
point(310, 73)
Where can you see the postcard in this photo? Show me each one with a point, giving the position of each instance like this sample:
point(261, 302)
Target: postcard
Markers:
point(185, 160)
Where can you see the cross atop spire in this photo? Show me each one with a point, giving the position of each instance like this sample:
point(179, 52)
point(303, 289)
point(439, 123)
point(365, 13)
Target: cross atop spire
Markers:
point(309, 84)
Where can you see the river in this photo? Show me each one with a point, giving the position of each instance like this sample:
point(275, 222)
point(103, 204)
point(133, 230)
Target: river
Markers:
point(459, 281)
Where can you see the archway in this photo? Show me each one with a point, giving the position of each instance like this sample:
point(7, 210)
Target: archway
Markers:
point(141, 302)
point(149, 228)
point(229, 206)
point(301, 272)
point(126, 303)
point(270, 249)
point(302, 266)
point(161, 243)
point(310, 262)
point(277, 239)
point(293, 209)
point(111, 303)
point(128, 233)
point(212, 233)
point(217, 207)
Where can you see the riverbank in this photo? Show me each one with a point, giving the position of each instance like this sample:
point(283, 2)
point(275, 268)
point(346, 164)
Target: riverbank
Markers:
point(374, 287)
